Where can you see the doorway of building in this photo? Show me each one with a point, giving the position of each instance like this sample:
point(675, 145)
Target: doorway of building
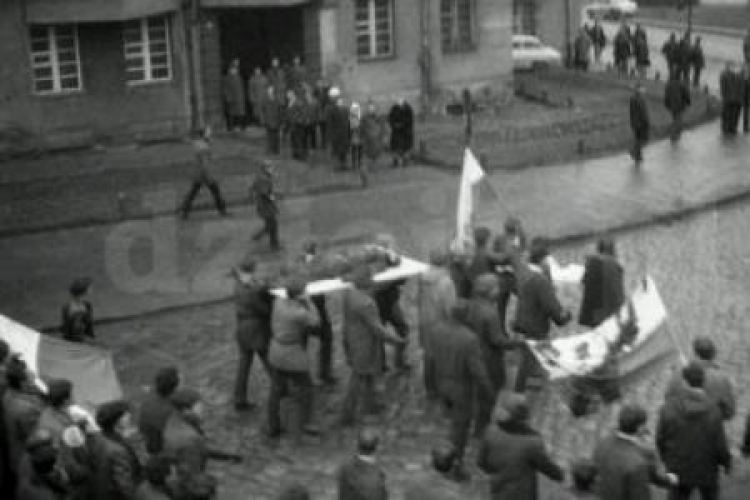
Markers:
point(257, 35)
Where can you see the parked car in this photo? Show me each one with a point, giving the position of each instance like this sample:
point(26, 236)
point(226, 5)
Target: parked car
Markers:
point(611, 10)
point(530, 53)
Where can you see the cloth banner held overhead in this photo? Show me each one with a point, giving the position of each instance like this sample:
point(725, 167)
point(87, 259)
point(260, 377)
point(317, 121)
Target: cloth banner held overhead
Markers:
point(89, 368)
point(471, 174)
point(634, 334)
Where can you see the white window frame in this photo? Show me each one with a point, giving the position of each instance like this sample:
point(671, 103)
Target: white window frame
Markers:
point(140, 51)
point(455, 43)
point(369, 27)
point(52, 56)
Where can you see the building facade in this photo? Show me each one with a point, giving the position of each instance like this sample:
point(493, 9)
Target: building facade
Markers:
point(556, 22)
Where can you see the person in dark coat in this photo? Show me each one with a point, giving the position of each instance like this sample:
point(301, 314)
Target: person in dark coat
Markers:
point(669, 51)
point(582, 50)
point(718, 384)
point(117, 472)
point(460, 376)
point(295, 121)
point(293, 319)
point(483, 261)
point(360, 477)
point(277, 77)
point(257, 89)
point(483, 319)
point(157, 471)
point(691, 440)
point(512, 453)
point(746, 98)
point(337, 128)
point(682, 58)
point(356, 141)
point(374, 133)
point(253, 302)
point(364, 335)
point(271, 118)
point(624, 465)
point(512, 242)
point(265, 199)
point(622, 50)
point(599, 41)
point(41, 477)
point(156, 409)
point(78, 314)
point(640, 123)
point(202, 175)
point(732, 87)
point(641, 51)
point(233, 91)
point(537, 307)
point(697, 61)
point(297, 75)
point(603, 289)
point(387, 296)
point(401, 121)
point(322, 100)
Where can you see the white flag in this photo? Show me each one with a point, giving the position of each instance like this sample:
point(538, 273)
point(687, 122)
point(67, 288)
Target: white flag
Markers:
point(472, 173)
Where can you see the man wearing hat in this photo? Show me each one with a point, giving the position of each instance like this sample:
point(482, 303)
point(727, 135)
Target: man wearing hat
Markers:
point(364, 335)
point(157, 408)
point(253, 303)
point(625, 466)
point(184, 439)
point(117, 471)
point(292, 320)
point(78, 315)
point(512, 454)
point(265, 198)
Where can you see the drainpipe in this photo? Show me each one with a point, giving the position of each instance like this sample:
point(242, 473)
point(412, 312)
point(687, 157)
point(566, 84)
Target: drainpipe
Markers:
point(195, 66)
point(425, 56)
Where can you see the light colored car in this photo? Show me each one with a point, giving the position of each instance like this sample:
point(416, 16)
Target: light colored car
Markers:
point(530, 53)
point(611, 10)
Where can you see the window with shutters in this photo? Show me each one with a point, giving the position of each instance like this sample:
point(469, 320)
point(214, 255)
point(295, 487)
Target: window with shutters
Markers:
point(373, 21)
point(148, 53)
point(457, 18)
point(55, 59)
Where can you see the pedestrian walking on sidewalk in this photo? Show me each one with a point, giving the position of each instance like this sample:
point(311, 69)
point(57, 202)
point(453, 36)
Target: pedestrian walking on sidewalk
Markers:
point(622, 50)
point(669, 51)
point(599, 40)
point(202, 176)
point(682, 58)
point(265, 198)
point(731, 85)
point(697, 61)
point(640, 48)
point(676, 100)
point(640, 123)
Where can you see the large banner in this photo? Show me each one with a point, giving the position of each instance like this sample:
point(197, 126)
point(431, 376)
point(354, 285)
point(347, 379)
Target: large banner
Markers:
point(636, 338)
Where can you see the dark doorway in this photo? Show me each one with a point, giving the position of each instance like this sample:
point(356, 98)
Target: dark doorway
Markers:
point(257, 35)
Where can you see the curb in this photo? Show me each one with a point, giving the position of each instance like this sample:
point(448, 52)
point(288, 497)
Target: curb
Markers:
point(664, 219)
point(710, 30)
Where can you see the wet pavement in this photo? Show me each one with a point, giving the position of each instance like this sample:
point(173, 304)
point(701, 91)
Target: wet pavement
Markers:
point(145, 265)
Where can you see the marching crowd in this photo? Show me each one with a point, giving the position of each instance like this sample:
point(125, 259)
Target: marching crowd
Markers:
point(159, 450)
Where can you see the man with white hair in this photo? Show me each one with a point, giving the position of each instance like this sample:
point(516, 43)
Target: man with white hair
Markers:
point(338, 128)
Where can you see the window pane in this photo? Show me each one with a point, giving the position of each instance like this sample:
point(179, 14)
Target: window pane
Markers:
point(70, 83)
point(40, 45)
point(159, 48)
point(136, 76)
point(43, 72)
point(160, 73)
point(43, 86)
point(68, 70)
point(39, 32)
point(64, 31)
point(159, 60)
point(40, 59)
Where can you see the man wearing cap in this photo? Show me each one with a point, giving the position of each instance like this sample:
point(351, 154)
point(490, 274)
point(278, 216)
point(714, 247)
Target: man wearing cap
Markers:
point(41, 477)
point(361, 478)
point(253, 302)
point(184, 439)
point(156, 409)
point(292, 320)
point(202, 176)
point(78, 315)
point(717, 385)
point(117, 472)
point(265, 198)
point(625, 465)
point(364, 335)
point(691, 439)
point(512, 454)
point(460, 378)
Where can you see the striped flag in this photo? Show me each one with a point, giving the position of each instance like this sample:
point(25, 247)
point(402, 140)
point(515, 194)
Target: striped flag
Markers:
point(471, 175)
point(89, 368)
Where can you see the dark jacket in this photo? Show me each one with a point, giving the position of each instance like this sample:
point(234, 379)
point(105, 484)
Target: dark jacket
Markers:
point(622, 48)
point(292, 321)
point(690, 437)
point(21, 412)
point(155, 411)
point(363, 333)
point(484, 320)
point(264, 196)
point(718, 387)
point(360, 480)
point(337, 128)
point(732, 87)
point(676, 96)
point(603, 292)
point(640, 47)
point(35, 486)
point(639, 119)
point(669, 50)
point(253, 304)
point(537, 305)
point(459, 371)
point(697, 58)
point(512, 455)
point(598, 37)
point(401, 121)
point(187, 445)
point(271, 113)
point(118, 471)
point(77, 321)
point(625, 470)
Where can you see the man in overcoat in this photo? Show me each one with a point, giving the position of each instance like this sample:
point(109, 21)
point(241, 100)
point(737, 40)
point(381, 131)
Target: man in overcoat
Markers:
point(676, 100)
point(603, 289)
point(265, 199)
point(640, 123)
point(401, 121)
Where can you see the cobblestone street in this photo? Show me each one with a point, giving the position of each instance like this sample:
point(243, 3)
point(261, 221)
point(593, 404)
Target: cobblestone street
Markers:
point(701, 266)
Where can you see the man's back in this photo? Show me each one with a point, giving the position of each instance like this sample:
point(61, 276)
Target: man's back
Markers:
point(537, 305)
point(456, 356)
point(360, 480)
point(623, 470)
point(155, 411)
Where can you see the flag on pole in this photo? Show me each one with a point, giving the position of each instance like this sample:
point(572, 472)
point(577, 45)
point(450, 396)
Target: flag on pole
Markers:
point(89, 368)
point(471, 174)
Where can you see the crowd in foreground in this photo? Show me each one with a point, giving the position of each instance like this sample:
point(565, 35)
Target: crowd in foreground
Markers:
point(159, 450)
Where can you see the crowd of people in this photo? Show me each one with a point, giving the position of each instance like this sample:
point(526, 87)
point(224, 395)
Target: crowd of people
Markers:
point(159, 450)
point(310, 115)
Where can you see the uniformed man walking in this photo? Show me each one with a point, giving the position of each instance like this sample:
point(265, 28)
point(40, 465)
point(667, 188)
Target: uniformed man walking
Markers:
point(202, 176)
point(265, 199)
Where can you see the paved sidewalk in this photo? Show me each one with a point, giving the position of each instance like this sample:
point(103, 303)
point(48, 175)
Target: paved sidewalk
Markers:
point(143, 266)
